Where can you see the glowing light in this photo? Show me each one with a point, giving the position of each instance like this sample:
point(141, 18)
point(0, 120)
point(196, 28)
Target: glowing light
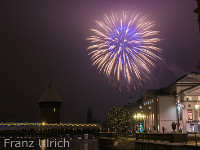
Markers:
point(124, 47)
point(139, 116)
point(196, 106)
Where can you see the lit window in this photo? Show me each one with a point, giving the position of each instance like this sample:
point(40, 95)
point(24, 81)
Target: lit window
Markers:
point(153, 117)
point(198, 98)
point(54, 109)
point(188, 98)
point(148, 102)
point(152, 100)
point(190, 115)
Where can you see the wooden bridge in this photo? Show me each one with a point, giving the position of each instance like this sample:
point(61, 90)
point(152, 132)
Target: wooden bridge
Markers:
point(40, 130)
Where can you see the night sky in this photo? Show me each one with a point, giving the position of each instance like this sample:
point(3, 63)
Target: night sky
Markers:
point(43, 41)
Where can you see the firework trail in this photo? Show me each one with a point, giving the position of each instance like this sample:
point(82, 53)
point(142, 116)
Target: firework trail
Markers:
point(124, 47)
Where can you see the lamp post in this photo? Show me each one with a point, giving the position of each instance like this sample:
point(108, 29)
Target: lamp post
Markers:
point(197, 117)
point(178, 115)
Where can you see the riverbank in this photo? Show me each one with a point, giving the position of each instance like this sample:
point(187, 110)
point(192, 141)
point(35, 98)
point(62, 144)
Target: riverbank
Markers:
point(119, 143)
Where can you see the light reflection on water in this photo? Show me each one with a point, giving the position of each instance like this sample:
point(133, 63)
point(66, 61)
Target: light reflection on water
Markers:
point(91, 144)
point(43, 145)
point(85, 146)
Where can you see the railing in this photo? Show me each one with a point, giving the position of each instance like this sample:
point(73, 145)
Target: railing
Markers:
point(193, 138)
point(112, 134)
point(170, 137)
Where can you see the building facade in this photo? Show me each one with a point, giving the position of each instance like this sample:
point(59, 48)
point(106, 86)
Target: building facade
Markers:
point(188, 102)
point(185, 89)
point(160, 112)
point(178, 103)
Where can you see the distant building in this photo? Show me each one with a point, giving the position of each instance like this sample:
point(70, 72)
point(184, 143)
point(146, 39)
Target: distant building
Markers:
point(131, 106)
point(50, 104)
point(197, 10)
point(89, 116)
point(134, 109)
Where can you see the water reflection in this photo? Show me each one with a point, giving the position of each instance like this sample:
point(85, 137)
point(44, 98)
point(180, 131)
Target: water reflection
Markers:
point(91, 144)
point(42, 144)
point(85, 146)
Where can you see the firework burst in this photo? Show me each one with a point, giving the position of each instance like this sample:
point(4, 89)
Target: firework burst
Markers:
point(124, 47)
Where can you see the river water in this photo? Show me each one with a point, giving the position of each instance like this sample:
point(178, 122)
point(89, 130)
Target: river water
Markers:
point(91, 144)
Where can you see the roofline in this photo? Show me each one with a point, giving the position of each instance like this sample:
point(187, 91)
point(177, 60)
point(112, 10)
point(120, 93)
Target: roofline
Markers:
point(188, 89)
point(181, 78)
point(157, 96)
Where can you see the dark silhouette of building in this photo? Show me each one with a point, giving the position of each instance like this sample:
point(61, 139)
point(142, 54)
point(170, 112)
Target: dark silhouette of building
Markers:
point(89, 116)
point(197, 10)
point(130, 100)
point(50, 104)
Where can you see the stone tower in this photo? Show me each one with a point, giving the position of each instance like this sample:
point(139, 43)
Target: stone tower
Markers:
point(50, 104)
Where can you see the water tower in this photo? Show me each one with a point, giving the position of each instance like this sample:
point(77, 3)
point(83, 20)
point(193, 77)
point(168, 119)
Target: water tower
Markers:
point(50, 104)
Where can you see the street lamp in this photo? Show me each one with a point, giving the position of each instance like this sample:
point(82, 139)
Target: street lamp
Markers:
point(197, 117)
point(139, 116)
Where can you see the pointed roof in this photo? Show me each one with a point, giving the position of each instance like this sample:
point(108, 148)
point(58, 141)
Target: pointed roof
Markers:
point(50, 95)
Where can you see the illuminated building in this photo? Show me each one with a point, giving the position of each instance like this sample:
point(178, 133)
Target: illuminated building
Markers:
point(50, 104)
point(187, 99)
point(179, 103)
point(159, 109)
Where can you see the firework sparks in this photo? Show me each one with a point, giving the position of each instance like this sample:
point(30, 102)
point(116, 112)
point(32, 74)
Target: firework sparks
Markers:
point(124, 47)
